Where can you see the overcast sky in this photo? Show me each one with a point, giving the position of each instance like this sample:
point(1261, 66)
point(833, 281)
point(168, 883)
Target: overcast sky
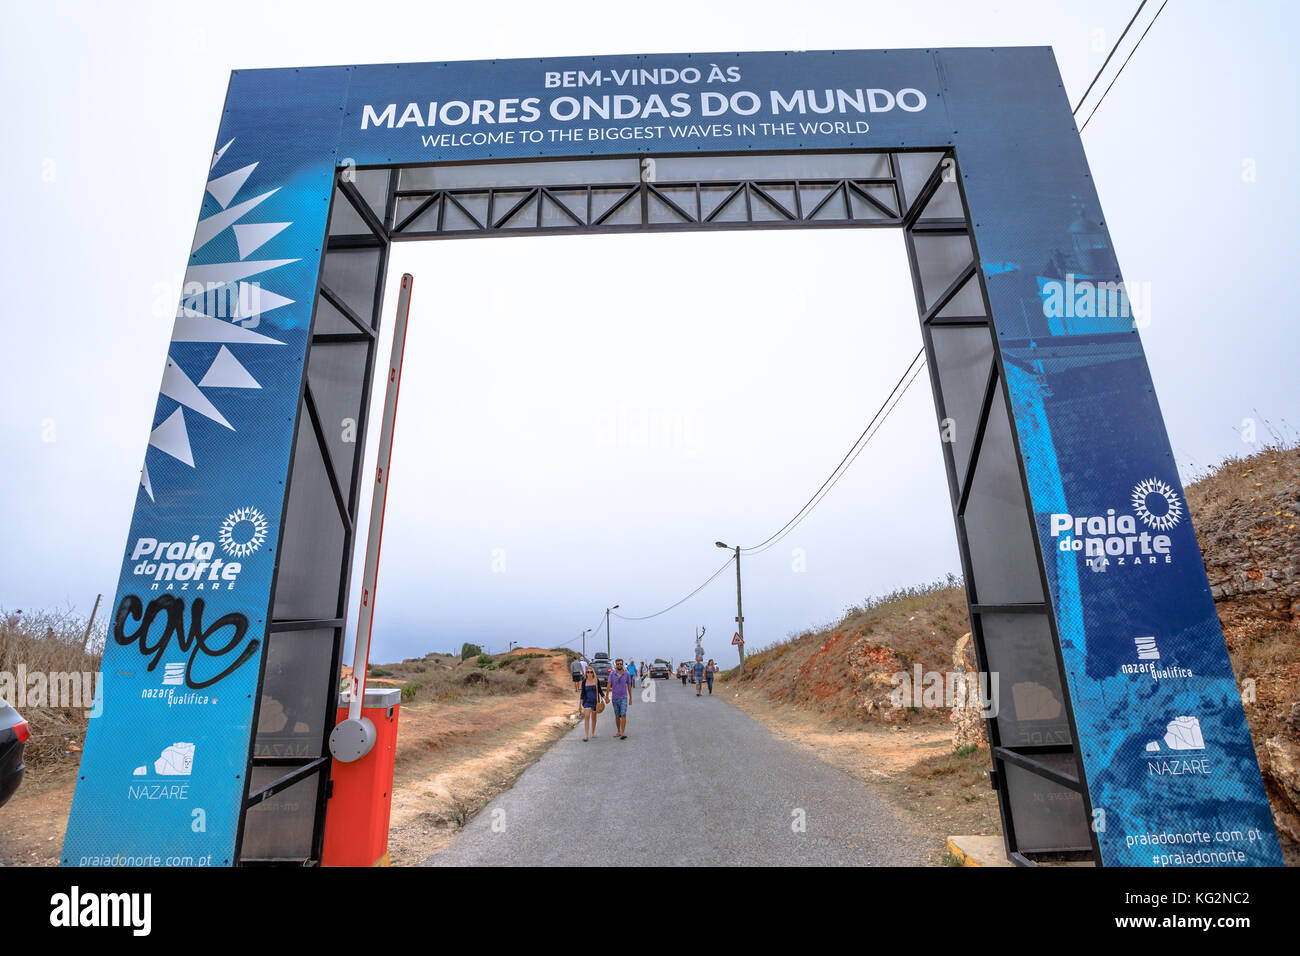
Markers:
point(580, 435)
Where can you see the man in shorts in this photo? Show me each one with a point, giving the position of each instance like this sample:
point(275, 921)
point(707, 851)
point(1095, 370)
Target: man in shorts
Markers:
point(619, 684)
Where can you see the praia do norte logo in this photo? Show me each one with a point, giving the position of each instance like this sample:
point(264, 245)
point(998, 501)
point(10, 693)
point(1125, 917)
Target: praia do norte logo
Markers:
point(243, 532)
point(1115, 538)
point(195, 565)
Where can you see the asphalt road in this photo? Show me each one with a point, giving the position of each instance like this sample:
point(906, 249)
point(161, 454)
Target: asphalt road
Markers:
point(697, 783)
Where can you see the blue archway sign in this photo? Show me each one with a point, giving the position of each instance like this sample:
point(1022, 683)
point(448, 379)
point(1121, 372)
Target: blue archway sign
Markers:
point(1136, 716)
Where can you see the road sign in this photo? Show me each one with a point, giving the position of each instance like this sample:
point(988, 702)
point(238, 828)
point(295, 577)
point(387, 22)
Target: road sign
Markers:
point(736, 639)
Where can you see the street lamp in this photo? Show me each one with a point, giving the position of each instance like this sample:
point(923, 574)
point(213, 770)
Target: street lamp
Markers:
point(584, 641)
point(607, 642)
point(740, 616)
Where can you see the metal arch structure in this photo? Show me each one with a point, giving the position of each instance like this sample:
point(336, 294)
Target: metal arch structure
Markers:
point(1117, 732)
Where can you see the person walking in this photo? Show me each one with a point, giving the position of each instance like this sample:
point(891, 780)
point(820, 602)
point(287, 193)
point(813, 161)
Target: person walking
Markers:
point(699, 677)
point(709, 670)
point(681, 672)
point(590, 697)
point(620, 695)
point(631, 669)
point(577, 668)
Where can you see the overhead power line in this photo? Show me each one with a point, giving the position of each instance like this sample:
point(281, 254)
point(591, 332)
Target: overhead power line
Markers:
point(810, 503)
point(1124, 64)
point(822, 494)
point(1108, 56)
point(726, 564)
point(891, 401)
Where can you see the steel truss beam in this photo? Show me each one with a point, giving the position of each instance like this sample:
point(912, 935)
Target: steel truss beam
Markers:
point(944, 287)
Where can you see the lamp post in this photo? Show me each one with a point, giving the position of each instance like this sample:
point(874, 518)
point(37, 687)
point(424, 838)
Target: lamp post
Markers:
point(740, 614)
point(584, 641)
point(607, 641)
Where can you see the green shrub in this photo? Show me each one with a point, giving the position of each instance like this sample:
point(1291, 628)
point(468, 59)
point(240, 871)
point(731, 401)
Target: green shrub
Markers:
point(468, 650)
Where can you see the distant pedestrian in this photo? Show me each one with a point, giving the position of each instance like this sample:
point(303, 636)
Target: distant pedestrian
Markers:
point(709, 670)
point(619, 683)
point(699, 677)
point(631, 669)
point(577, 668)
point(590, 700)
point(681, 672)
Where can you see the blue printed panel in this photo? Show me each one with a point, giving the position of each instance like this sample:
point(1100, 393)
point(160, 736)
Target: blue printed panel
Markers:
point(676, 103)
point(163, 771)
point(1171, 773)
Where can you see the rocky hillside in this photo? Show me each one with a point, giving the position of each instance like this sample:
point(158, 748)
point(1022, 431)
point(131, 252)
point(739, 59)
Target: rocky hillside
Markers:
point(1246, 518)
point(846, 670)
point(1246, 514)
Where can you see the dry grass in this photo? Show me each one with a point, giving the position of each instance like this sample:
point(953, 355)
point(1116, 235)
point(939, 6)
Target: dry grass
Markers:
point(446, 678)
point(51, 643)
point(845, 671)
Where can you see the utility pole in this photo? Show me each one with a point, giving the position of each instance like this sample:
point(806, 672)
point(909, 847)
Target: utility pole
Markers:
point(85, 641)
point(584, 641)
point(740, 614)
point(608, 650)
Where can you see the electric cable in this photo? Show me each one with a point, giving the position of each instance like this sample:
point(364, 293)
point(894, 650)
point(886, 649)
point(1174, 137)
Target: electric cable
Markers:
point(907, 371)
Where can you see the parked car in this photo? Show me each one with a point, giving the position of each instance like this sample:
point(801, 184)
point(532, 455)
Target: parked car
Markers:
point(14, 734)
point(601, 665)
point(660, 670)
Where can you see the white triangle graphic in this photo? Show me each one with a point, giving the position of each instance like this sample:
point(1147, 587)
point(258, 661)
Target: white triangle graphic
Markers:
point(177, 385)
point(208, 229)
point(220, 273)
point(144, 480)
point(229, 303)
point(226, 372)
point(216, 158)
point(223, 188)
point(201, 328)
point(171, 438)
point(252, 235)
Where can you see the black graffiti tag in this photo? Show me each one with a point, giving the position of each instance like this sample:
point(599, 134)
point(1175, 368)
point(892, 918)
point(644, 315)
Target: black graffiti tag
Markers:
point(196, 641)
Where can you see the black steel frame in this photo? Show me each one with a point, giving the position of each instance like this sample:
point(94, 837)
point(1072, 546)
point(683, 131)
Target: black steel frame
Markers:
point(830, 205)
point(842, 203)
point(347, 501)
point(1021, 756)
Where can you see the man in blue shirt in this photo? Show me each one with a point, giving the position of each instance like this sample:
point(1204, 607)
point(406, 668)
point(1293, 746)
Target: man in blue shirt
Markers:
point(699, 677)
point(619, 683)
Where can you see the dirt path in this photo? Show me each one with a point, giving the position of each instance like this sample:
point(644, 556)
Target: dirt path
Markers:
point(912, 766)
point(33, 821)
point(452, 758)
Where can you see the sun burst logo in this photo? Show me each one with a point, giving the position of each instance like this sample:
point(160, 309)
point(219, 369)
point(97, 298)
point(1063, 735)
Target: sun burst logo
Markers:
point(1168, 509)
point(242, 532)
